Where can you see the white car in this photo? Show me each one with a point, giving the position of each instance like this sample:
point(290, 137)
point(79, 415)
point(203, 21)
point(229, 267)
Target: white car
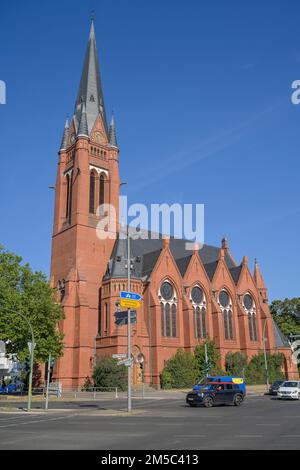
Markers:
point(289, 389)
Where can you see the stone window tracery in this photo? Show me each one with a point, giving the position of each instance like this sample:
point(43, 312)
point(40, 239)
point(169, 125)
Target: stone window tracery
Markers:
point(225, 304)
point(168, 309)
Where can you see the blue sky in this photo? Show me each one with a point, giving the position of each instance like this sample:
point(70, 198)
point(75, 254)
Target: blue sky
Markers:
point(201, 93)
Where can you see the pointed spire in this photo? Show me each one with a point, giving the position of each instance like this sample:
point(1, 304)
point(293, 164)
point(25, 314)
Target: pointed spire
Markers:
point(90, 88)
point(245, 261)
point(65, 137)
point(225, 243)
point(258, 279)
point(83, 126)
point(112, 134)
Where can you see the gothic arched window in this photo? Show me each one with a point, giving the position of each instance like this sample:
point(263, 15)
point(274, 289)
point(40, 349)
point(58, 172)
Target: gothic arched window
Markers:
point(199, 305)
point(101, 192)
point(68, 195)
point(250, 308)
point(168, 307)
point(225, 304)
point(92, 192)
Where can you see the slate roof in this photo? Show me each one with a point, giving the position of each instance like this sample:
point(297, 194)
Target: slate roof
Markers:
point(145, 253)
point(90, 89)
point(280, 340)
point(235, 273)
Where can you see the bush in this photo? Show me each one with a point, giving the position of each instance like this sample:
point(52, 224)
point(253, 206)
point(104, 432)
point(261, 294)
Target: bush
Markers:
point(166, 379)
point(107, 373)
point(179, 371)
point(235, 363)
point(256, 372)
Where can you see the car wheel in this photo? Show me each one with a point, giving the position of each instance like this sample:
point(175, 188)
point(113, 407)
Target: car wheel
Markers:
point(208, 402)
point(238, 400)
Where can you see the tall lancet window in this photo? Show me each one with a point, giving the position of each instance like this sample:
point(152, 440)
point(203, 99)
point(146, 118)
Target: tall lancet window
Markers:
point(92, 192)
point(101, 193)
point(199, 311)
point(68, 195)
point(225, 304)
point(250, 308)
point(168, 309)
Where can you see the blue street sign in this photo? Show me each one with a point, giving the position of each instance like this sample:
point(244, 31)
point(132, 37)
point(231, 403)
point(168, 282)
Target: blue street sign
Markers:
point(130, 296)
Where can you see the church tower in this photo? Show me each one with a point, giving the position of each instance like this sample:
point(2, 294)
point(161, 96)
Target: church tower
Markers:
point(87, 177)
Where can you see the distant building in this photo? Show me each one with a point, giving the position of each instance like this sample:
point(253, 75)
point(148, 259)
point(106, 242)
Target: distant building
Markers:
point(187, 296)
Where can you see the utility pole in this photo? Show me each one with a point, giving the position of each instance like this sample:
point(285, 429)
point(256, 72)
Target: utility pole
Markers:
point(128, 327)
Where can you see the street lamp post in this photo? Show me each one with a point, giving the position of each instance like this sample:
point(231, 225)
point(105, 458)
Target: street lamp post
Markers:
point(265, 354)
point(128, 328)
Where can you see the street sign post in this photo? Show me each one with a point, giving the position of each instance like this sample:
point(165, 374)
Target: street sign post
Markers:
point(130, 296)
point(125, 362)
point(128, 303)
point(119, 356)
point(121, 318)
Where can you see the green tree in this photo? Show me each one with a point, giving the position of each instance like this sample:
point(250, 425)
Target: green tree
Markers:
point(286, 313)
point(235, 363)
point(179, 371)
point(107, 373)
point(27, 292)
point(213, 358)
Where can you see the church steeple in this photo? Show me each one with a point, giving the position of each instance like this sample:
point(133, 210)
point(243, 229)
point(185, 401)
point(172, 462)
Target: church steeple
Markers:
point(90, 89)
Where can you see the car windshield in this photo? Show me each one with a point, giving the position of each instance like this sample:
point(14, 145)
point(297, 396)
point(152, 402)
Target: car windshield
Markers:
point(278, 382)
point(290, 384)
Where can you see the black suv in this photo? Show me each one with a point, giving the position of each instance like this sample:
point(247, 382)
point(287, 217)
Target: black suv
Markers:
point(275, 387)
point(216, 394)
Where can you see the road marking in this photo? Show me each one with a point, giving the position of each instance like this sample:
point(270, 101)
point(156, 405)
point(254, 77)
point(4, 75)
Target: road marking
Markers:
point(291, 435)
point(191, 436)
point(268, 424)
point(13, 417)
point(249, 436)
point(37, 421)
point(254, 416)
point(217, 424)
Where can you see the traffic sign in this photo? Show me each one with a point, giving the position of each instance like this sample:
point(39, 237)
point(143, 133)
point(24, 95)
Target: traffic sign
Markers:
point(130, 295)
point(119, 356)
point(128, 303)
point(29, 344)
point(126, 362)
point(122, 317)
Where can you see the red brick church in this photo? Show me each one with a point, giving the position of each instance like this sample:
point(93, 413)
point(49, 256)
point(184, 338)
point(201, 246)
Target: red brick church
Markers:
point(188, 296)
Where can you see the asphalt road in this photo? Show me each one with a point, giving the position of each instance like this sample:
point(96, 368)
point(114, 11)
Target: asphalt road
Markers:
point(261, 423)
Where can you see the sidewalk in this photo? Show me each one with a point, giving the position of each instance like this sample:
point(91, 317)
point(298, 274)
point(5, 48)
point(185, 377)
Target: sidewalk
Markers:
point(149, 394)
